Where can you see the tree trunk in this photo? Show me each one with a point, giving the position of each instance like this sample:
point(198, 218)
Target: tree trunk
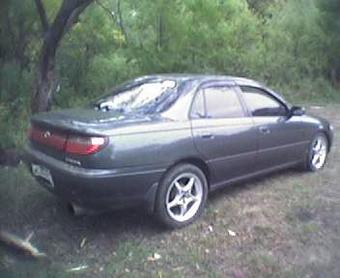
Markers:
point(335, 77)
point(46, 79)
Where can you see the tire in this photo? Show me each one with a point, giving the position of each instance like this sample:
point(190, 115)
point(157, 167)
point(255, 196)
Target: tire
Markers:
point(181, 196)
point(317, 153)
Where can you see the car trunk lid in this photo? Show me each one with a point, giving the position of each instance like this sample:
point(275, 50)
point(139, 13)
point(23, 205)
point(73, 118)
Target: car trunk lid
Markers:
point(86, 121)
point(76, 131)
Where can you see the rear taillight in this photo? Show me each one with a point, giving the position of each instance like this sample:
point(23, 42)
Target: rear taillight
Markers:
point(82, 145)
point(73, 144)
point(46, 137)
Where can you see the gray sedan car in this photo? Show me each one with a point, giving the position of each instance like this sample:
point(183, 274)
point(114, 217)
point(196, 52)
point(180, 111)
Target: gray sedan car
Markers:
point(163, 142)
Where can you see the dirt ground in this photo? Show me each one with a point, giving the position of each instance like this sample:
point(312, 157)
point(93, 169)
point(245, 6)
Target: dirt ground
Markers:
point(284, 225)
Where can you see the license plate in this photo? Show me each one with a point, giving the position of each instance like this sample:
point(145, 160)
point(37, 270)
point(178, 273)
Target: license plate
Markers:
point(44, 173)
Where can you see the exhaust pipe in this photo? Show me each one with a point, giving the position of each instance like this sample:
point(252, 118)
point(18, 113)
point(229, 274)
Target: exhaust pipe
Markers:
point(79, 211)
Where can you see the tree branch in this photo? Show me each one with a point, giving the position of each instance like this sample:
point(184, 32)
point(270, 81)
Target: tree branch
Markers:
point(107, 10)
point(42, 15)
point(75, 14)
point(117, 19)
point(46, 80)
point(120, 21)
point(63, 22)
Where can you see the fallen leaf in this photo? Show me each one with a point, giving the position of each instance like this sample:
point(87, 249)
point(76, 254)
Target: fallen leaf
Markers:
point(316, 107)
point(83, 242)
point(78, 268)
point(231, 233)
point(154, 257)
point(238, 274)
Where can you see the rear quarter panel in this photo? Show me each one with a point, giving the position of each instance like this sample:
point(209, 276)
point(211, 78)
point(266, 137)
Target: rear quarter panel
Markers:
point(153, 145)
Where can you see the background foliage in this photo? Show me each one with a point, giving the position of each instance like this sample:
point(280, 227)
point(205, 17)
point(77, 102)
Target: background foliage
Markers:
point(293, 45)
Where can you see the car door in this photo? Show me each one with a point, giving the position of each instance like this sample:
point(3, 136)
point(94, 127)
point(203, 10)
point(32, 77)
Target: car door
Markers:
point(222, 133)
point(280, 137)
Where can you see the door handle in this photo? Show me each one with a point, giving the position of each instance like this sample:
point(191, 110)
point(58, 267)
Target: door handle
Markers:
point(206, 135)
point(264, 129)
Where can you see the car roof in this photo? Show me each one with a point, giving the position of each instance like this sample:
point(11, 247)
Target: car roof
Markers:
point(202, 78)
point(205, 78)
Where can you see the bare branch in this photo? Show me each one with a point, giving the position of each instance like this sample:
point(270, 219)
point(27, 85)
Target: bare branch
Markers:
point(116, 17)
point(42, 15)
point(107, 10)
point(21, 244)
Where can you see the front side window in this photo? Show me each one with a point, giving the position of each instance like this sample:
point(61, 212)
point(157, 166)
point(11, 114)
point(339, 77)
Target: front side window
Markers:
point(222, 102)
point(261, 104)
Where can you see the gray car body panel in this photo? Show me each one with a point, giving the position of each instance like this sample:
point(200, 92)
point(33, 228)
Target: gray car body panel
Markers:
point(142, 148)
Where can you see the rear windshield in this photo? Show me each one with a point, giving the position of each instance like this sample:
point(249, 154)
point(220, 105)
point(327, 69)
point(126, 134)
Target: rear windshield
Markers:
point(148, 97)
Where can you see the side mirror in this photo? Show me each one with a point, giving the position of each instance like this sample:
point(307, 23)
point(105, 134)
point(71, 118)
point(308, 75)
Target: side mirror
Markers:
point(297, 111)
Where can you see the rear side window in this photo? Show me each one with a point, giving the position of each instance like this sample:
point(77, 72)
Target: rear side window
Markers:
point(261, 104)
point(222, 102)
point(198, 108)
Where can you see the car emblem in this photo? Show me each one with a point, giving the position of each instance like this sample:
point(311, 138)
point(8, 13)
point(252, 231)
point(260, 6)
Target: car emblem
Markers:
point(46, 134)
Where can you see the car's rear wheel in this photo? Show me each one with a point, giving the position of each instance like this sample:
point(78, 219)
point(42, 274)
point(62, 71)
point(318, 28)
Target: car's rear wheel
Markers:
point(181, 196)
point(317, 153)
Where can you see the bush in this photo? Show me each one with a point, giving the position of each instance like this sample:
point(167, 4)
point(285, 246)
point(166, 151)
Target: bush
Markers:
point(280, 42)
point(14, 100)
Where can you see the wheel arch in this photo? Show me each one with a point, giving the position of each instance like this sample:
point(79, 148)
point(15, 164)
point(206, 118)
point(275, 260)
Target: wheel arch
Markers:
point(327, 136)
point(158, 208)
point(329, 139)
point(198, 162)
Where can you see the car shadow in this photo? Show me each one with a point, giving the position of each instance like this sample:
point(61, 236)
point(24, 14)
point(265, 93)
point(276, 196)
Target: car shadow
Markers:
point(136, 223)
point(236, 188)
point(138, 220)
point(62, 235)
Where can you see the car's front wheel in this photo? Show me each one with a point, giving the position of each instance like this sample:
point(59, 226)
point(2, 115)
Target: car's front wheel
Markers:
point(317, 153)
point(181, 196)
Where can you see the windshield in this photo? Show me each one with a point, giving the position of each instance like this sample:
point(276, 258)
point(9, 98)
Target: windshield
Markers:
point(149, 97)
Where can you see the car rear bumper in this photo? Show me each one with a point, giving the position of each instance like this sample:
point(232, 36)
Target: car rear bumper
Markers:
point(98, 189)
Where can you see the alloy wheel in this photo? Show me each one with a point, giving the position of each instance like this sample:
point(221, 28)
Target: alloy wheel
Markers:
point(319, 152)
point(184, 197)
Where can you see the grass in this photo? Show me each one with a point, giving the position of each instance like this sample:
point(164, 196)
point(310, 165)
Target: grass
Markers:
point(286, 225)
point(317, 91)
point(128, 253)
